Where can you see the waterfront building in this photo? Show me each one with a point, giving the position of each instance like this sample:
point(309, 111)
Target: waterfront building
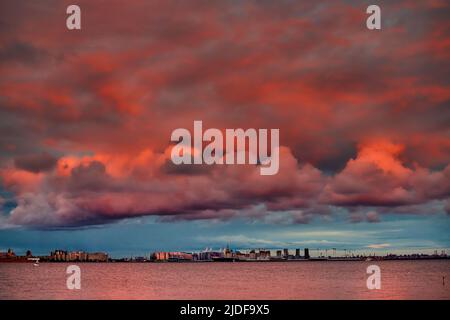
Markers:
point(58, 255)
point(161, 256)
point(97, 257)
point(8, 254)
point(307, 253)
point(204, 256)
point(227, 253)
point(264, 254)
point(79, 256)
point(173, 256)
point(183, 256)
point(242, 256)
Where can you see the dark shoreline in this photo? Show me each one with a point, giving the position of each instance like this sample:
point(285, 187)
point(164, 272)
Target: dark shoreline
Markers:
point(235, 261)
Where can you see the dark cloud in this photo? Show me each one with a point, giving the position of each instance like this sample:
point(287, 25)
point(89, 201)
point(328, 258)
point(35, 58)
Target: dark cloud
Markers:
point(36, 162)
point(185, 169)
point(22, 52)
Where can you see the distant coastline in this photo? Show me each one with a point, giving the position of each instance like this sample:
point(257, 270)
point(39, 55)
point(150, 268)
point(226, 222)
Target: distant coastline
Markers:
point(225, 255)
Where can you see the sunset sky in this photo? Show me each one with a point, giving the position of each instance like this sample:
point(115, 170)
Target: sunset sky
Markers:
point(86, 117)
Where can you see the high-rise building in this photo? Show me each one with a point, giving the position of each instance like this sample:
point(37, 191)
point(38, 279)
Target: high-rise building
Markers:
point(278, 253)
point(306, 253)
point(285, 253)
point(204, 255)
point(161, 256)
point(58, 255)
point(297, 253)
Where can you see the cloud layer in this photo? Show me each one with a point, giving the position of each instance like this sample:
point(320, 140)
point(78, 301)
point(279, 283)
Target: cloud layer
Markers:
point(86, 116)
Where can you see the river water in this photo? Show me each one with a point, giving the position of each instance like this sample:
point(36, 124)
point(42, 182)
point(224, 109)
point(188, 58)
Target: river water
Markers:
point(267, 280)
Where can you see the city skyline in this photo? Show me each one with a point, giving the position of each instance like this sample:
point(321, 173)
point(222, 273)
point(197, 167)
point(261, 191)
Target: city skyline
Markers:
point(86, 118)
point(125, 240)
point(245, 254)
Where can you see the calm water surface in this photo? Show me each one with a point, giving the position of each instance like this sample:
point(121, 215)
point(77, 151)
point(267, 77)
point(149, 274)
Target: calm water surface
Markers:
point(291, 280)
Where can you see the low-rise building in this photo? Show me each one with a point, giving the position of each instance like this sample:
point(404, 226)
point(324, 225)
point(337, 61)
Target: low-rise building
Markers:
point(97, 257)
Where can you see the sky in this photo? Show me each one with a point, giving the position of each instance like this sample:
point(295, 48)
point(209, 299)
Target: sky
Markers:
point(86, 118)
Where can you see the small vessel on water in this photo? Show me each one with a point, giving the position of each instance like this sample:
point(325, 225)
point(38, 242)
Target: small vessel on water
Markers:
point(36, 261)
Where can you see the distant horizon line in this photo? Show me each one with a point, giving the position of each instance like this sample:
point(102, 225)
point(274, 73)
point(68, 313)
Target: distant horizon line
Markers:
point(312, 251)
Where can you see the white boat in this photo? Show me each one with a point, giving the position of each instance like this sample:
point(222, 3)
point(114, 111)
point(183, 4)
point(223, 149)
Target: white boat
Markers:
point(36, 261)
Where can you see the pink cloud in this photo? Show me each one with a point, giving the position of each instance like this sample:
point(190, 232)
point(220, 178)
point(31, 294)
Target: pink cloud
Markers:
point(85, 118)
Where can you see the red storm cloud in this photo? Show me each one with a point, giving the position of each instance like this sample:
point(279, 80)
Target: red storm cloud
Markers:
point(86, 116)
